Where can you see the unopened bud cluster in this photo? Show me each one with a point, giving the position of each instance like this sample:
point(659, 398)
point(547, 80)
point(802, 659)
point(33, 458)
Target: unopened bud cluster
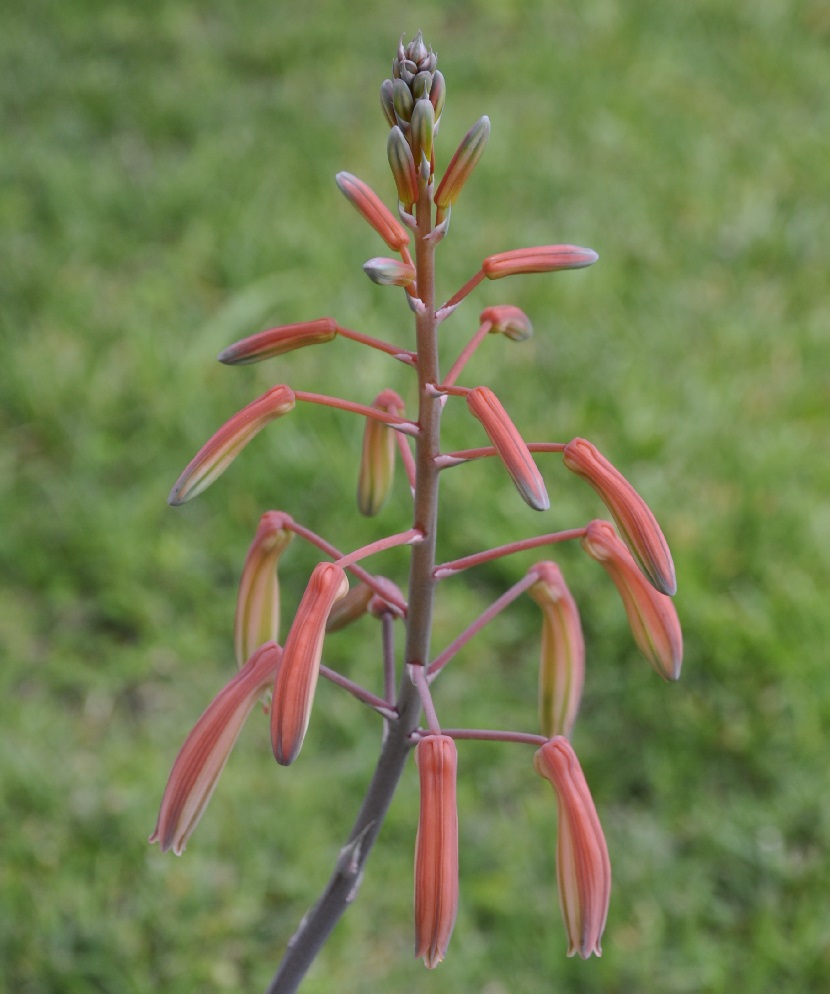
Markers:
point(340, 590)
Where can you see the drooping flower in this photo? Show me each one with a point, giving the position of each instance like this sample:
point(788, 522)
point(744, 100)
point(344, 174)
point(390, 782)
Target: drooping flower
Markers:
point(296, 680)
point(436, 848)
point(485, 406)
point(258, 601)
point(206, 749)
point(636, 523)
point(652, 616)
point(377, 461)
point(221, 449)
point(562, 663)
point(540, 259)
point(583, 869)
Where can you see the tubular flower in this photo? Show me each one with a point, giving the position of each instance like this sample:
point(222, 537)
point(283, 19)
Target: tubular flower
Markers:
point(583, 870)
point(652, 616)
point(377, 461)
point(218, 452)
point(436, 849)
point(634, 519)
point(541, 259)
point(296, 680)
point(562, 665)
point(462, 164)
point(276, 341)
point(258, 601)
point(507, 320)
point(206, 749)
point(485, 406)
point(369, 205)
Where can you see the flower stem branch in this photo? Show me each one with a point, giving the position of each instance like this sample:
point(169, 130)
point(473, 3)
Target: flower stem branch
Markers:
point(450, 568)
point(448, 459)
point(399, 424)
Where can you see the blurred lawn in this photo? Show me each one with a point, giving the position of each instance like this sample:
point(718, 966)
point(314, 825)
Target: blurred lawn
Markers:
point(166, 186)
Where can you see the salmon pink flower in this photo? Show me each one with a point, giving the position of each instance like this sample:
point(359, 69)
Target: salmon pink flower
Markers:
point(562, 665)
point(485, 406)
point(258, 601)
point(389, 272)
point(277, 341)
point(463, 162)
point(219, 452)
point(205, 751)
point(634, 519)
point(369, 205)
point(583, 870)
point(436, 849)
point(652, 616)
point(507, 320)
point(541, 259)
point(297, 677)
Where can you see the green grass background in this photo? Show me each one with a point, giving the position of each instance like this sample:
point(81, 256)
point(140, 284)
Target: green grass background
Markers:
point(166, 186)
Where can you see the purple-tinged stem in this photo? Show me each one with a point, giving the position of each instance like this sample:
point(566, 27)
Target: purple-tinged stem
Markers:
point(450, 568)
point(419, 678)
point(387, 622)
point(404, 355)
point(407, 460)
point(489, 735)
point(466, 353)
point(399, 424)
point(448, 459)
point(364, 696)
point(409, 537)
point(483, 619)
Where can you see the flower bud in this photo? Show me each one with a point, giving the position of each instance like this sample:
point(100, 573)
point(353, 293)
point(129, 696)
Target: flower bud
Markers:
point(276, 341)
point(402, 165)
point(583, 870)
point(652, 616)
point(436, 848)
point(258, 602)
point(421, 129)
point(437, 95)
point(389, 272)
point(510, 446)
point(349, 608)
point(297, 678)
point(635, 521)
point(206, 749)
point(218, 452)
point(377, 461)
point(542, 259)
point(507, 320)
point(372, 209)
point(462, 163)
point(562, 665)
point(387, 101)
point(403, 101)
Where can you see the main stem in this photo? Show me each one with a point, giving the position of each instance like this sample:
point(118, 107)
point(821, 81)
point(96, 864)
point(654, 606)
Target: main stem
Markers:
point(341, 888)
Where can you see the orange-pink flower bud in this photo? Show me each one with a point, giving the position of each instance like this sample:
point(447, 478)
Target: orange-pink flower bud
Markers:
point(583, 870)
point(562, 664)
point(636, 523)
point(258, 601)
point(402, 164)
point(463, 163)
point(652, 616)
point(206, 749)
point(276, 341)
point(541, 259)
point(372, 209)
point(485, 406)
point(507, 320)
point(297, 677)
point(377, 461)
point(436, 849)
point(218, 452)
